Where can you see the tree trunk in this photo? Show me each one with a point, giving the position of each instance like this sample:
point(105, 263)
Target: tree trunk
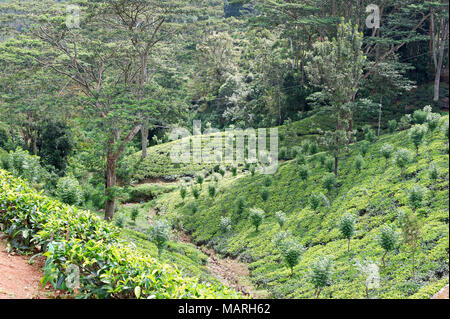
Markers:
point(379, 115)
point(442, 40)
point(144, 140)
point(13, 134)
point(318, 293)
point(34, 145)
point(336, 164)
point(350, 128)
point(382, 259)
point(111, 162)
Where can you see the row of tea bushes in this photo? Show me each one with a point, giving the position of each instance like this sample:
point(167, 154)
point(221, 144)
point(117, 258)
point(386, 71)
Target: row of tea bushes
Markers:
point(70, 238)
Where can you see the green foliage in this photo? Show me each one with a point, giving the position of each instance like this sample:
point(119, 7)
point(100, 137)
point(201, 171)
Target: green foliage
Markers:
point(119, 221)
point(405, 122)
point(446, 130)
point(225, 224)
point(416, 135)
point(300, 159)
point(387, 150)
point(329, 182)
point(320, 274)
point(134, 213)
point(315, 200)
point(194, 208)
point(67, 235)
point(304, 172)
point(147, 192)
point(267, 181)
point(265, 194)
point(68, 190)
point(420, 117)
point(377, 197)
point(281, 218)
point(21, 164)
point(183, 192)
point(411, 230)
point(392, 126)
point(370, 136)
point(329, 164)
point(200, 179)
point(55, 144)
point(195, 192)
point(433, 172)
point(416, 196)
point(211, 190)
point(403, 157)
point(283, 153)
point(291, 251)
point(4, 159)
point(365, 145)
point(347, 227)
point(160, 233)
point(327, 61)
point(294, 152)
point(252, 170)
point(433, 121)
point(305, 147)
point(256, 216)
point(359, 163)
point(388, 240)
point(313, 148)
point(4, 138)
point(234, 171)
point(240, 205)
point(322, 158)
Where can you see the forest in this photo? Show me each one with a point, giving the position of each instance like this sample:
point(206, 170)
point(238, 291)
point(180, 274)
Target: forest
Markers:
point(224, 149)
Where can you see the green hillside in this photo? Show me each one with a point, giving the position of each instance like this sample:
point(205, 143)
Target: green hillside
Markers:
point(158, 164)
point(377, 195)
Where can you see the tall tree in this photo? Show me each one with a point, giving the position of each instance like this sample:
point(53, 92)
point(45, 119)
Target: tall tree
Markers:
point(336, 67)
point(145, 23)
point(102, 64)
point(439, 40)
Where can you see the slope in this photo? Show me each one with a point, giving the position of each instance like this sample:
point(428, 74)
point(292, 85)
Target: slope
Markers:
point(377, 195)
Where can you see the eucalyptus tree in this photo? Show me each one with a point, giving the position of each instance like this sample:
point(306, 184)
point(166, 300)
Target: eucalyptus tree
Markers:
point(439, 34)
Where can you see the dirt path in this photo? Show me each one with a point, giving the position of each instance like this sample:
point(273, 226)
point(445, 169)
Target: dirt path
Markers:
point(230, 272)
point(443, 294)
point(19, 279)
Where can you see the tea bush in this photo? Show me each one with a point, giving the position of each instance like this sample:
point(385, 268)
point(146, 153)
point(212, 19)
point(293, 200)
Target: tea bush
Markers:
point(376, 196)
point(69, 191)
point(109, 268)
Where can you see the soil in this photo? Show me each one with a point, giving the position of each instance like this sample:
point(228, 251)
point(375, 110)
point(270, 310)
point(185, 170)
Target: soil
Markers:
point(19, 279)
point(443, 294)
point(230, 272)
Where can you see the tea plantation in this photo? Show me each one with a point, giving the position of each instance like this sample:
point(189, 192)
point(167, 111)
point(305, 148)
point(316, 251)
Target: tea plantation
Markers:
point(395, 202)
